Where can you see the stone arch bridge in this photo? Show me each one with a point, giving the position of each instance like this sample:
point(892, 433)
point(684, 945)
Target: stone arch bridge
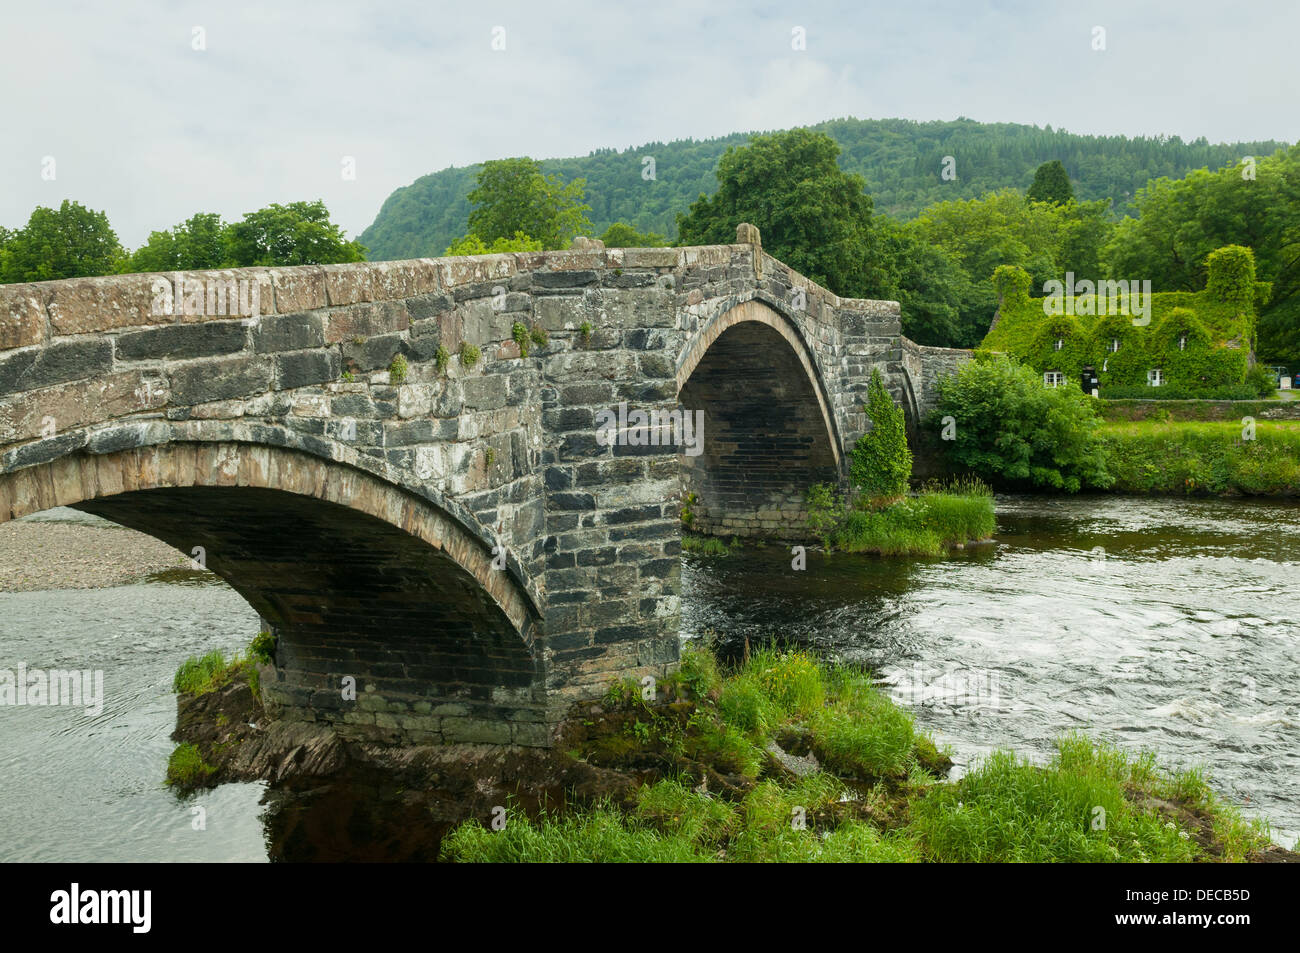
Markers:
point(411, 491)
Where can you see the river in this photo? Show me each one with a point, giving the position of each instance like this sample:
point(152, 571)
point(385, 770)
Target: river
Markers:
point(1171, 625)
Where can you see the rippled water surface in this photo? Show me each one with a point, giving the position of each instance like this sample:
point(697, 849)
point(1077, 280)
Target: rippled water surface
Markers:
point(1164, 624)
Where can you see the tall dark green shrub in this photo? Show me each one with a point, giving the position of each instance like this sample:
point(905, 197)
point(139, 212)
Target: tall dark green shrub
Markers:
point(882, 460)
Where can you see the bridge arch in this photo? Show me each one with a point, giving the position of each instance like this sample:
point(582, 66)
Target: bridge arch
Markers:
point(356, 574)
point(769, 428)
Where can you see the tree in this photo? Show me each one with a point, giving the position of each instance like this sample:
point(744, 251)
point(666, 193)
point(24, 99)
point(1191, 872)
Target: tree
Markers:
point(1008, 427)
point(882, 461)
point(299, 233)
point(72, 242)
point(620, 235)
point(927, 283)
point(473, 245)
point(195, 244)
point(513, 197)
point(1051, 184)
point(811, 214)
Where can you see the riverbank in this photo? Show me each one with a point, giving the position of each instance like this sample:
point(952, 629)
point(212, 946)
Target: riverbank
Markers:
point(66, 549)
point(1203, 458)
point(781, 759)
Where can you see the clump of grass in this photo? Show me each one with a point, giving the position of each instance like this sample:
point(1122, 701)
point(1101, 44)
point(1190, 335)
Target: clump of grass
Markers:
point(469, 354)
point(397, 370)
point(197, 676)
point(1074, 810)
point(441, 359)
point(706, 545)
point(186, 767)
point(537, 334)
point(921, 525)
point(585, 330)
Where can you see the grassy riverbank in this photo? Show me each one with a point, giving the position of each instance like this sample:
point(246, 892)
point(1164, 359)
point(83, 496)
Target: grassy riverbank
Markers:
point(788, 759)
point(926, 523)
point(1203, 458)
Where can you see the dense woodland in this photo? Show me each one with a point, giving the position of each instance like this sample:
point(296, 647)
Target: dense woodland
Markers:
point(901, 163)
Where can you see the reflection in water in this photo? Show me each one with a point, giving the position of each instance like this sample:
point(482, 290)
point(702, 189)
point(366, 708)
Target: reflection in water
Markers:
point(1163, 624)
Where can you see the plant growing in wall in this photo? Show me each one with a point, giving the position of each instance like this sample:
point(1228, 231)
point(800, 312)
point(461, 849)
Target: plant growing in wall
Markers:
point(520, 334)
point(469, 354)
point(440, 359)
point(537, 334)
point(882, 461)
point(397, 370)
point(584, 329)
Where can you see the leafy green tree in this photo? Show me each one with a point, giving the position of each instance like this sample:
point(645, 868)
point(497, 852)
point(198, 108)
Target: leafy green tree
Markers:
point(882, 462)
point(473, 245)
point(1051, 184)
point(1012, 429)
point(196, 244)
point(620, 235)
point(926, 282)
point(811, 214)
point(512, 196)
point(299, 233)
point(70, 242)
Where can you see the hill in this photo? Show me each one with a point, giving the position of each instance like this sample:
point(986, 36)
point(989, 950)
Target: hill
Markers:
point(900, 159)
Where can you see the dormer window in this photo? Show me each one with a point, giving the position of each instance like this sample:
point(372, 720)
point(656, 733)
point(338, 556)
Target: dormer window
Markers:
point(1060, 343)
point(1114, 345)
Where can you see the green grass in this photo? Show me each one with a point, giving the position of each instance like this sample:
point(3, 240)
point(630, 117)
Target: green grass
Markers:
point(925, 524)
point(1204, 457)
point(198, 676)
point(186, 767)
point(873, 800)
point(707, 545)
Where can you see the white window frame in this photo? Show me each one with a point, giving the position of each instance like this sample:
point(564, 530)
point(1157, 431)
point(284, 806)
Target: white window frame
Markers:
point(1182, 343)
point(1155, 377)
point(1060, 343)
point(1053, 379)
point(1114, 345)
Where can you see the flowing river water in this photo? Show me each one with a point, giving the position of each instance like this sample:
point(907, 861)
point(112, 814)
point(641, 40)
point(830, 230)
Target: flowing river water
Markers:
point(1161, 624)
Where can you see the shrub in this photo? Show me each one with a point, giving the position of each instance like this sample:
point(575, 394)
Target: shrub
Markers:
point(882, 461)
point(1011, 428)
point(262, 648)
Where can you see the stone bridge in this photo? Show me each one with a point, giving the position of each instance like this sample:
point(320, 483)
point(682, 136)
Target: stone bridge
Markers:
point(401, 466)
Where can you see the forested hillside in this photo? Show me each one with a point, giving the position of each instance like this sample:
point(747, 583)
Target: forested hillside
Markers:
point(902, 162)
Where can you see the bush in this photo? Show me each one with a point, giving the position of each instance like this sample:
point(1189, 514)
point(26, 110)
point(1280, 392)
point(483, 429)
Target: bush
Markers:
point(1013, 429)
point(1180, 392)
point(1260, 379)
point(882, 461)
point(1230, 275)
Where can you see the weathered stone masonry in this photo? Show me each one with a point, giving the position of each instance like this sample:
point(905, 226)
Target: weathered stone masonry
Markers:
point(459, 540)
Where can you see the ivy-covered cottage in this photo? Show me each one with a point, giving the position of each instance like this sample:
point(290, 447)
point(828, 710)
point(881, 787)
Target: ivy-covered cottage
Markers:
point(1198, 343)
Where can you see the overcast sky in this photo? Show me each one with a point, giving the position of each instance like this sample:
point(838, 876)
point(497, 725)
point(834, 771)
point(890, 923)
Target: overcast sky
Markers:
point(146, 127)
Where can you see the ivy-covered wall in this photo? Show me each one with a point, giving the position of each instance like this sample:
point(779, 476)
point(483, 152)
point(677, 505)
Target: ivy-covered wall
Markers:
point(1198, 340)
